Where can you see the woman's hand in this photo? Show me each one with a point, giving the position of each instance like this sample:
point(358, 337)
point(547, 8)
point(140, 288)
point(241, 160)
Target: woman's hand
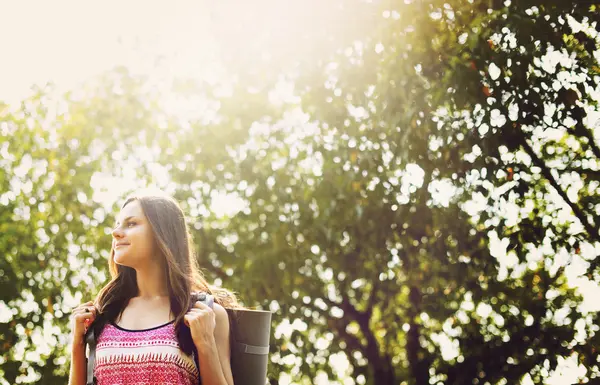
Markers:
point(81, 317)
point(201, 321)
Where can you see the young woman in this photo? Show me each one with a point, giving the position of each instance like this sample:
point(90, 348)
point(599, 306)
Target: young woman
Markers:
point(143, 327)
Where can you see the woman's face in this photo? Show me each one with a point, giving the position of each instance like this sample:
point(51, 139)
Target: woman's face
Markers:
point(133, 241)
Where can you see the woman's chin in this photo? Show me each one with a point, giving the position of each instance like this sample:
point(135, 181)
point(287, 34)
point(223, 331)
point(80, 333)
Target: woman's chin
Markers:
point(120, 259)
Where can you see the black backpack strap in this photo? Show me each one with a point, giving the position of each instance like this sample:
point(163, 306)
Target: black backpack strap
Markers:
point(91, 362)
point(202, 297)
point(207, 299)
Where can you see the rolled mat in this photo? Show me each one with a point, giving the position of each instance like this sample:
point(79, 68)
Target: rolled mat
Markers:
point(250, 333)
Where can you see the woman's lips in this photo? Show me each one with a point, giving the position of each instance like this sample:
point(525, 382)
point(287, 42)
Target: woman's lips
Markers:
point(117, 246)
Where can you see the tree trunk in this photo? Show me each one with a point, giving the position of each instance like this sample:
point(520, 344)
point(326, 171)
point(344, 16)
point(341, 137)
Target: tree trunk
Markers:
point(418, 366)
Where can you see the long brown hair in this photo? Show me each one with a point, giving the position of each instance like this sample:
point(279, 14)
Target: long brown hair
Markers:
point(173, 239)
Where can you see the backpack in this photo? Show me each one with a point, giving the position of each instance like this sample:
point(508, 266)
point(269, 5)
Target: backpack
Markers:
point(249, 334)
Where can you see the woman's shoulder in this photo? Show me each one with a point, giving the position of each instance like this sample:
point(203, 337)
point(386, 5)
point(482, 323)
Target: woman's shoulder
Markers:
point(220, 312)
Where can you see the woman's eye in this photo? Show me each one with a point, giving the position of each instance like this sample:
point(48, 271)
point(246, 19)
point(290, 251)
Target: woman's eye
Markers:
point(131, 223)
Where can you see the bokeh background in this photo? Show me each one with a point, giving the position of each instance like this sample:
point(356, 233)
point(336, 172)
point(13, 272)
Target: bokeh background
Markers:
point(411, 187)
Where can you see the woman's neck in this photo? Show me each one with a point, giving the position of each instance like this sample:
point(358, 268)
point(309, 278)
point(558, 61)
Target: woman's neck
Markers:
point(152, 282)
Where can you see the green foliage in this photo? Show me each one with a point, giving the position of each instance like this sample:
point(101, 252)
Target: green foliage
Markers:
point(436, 185)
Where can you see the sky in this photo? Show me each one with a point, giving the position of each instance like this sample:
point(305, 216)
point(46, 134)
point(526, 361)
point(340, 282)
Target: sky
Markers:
point(69, 42)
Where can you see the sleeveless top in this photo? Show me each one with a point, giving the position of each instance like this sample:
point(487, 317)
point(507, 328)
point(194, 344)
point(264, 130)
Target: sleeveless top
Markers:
point(149, 356)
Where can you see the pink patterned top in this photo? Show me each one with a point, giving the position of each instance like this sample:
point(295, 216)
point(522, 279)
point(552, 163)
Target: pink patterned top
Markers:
point(149, 356)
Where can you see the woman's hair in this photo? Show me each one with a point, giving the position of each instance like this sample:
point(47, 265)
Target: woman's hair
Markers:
point(172, 238)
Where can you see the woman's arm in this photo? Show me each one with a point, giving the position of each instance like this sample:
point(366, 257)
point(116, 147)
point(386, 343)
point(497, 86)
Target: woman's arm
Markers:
point(78, 371)
point(214, 354)
point(81, 317)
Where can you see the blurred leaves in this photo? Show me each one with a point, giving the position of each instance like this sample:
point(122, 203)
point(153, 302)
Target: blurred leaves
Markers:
point(417, 214)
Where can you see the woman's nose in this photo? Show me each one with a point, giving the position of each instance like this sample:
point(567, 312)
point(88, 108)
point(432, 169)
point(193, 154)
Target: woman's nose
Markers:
point(117, 233)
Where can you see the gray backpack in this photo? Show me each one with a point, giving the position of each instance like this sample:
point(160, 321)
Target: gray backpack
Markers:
point(250, 331)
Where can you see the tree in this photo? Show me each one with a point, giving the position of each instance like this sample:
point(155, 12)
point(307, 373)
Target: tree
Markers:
point(346, 228)
point(424, 88)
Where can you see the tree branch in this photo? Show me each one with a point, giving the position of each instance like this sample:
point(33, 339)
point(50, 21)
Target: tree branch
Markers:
point(373, 297)
point(353, 343)
point(216, 271)
point(418, 366)
point(595, 174)
point(593, 232)
point(585, 132)
point(381, 364)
